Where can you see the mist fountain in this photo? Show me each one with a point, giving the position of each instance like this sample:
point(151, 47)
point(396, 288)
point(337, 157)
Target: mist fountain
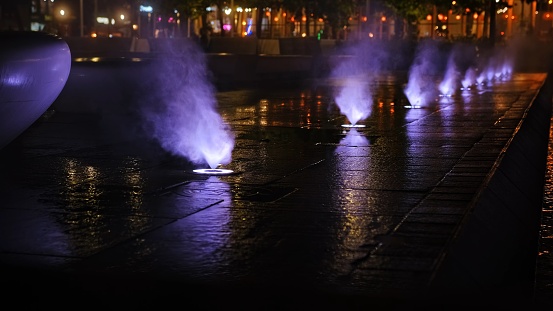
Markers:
point(421, 84)
point(469, 79)
point(354, 100)
point(421, 87)
point(451, 78)
point(184, 118)
point(354, 96)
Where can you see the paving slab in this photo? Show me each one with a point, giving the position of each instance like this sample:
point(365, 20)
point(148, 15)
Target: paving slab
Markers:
point(95, 213)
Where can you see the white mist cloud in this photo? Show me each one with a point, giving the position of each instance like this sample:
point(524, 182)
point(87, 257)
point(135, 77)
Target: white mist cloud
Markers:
point(449, 83)
point(181, 113)
point(354, 100)
point(354, 96)
point(422, 86)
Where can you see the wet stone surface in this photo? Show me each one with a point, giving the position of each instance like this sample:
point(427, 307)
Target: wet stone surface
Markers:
point(313, 210)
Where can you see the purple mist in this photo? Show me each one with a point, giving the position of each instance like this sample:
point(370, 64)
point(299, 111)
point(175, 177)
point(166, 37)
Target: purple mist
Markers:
point(183, 115)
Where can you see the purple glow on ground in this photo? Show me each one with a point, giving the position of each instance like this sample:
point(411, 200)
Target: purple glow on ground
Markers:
point(183, 114)
point(354, 139)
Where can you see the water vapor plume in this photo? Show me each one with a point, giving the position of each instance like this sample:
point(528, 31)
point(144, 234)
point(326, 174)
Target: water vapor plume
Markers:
point(427, 67)
point(354, 100)
point(469, 78)
point(496, 64)
point(181, 111)
point(451, 78)
point(354, 97)
point(459, 68)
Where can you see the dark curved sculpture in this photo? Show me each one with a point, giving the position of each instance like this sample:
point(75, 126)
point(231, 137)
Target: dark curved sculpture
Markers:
point(34, 67)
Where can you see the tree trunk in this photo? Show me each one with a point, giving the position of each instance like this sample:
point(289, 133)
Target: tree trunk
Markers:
point(492, 22)
point(259, 19)
point(220, 18)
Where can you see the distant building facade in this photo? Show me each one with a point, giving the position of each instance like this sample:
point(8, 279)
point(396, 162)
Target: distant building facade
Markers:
point(126, 18)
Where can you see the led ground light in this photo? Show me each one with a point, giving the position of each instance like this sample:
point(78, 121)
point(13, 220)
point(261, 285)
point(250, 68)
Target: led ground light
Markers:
point(213, 171)
point(353, 125)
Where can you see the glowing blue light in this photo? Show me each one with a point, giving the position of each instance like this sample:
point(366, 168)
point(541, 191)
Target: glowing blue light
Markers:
point(146, 8)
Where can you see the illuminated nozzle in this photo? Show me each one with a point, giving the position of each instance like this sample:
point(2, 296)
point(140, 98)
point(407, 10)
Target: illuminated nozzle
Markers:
point(213, 171)
point(353, 125)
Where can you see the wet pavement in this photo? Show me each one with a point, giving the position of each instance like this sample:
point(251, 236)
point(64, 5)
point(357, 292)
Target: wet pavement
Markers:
point(95, 214)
